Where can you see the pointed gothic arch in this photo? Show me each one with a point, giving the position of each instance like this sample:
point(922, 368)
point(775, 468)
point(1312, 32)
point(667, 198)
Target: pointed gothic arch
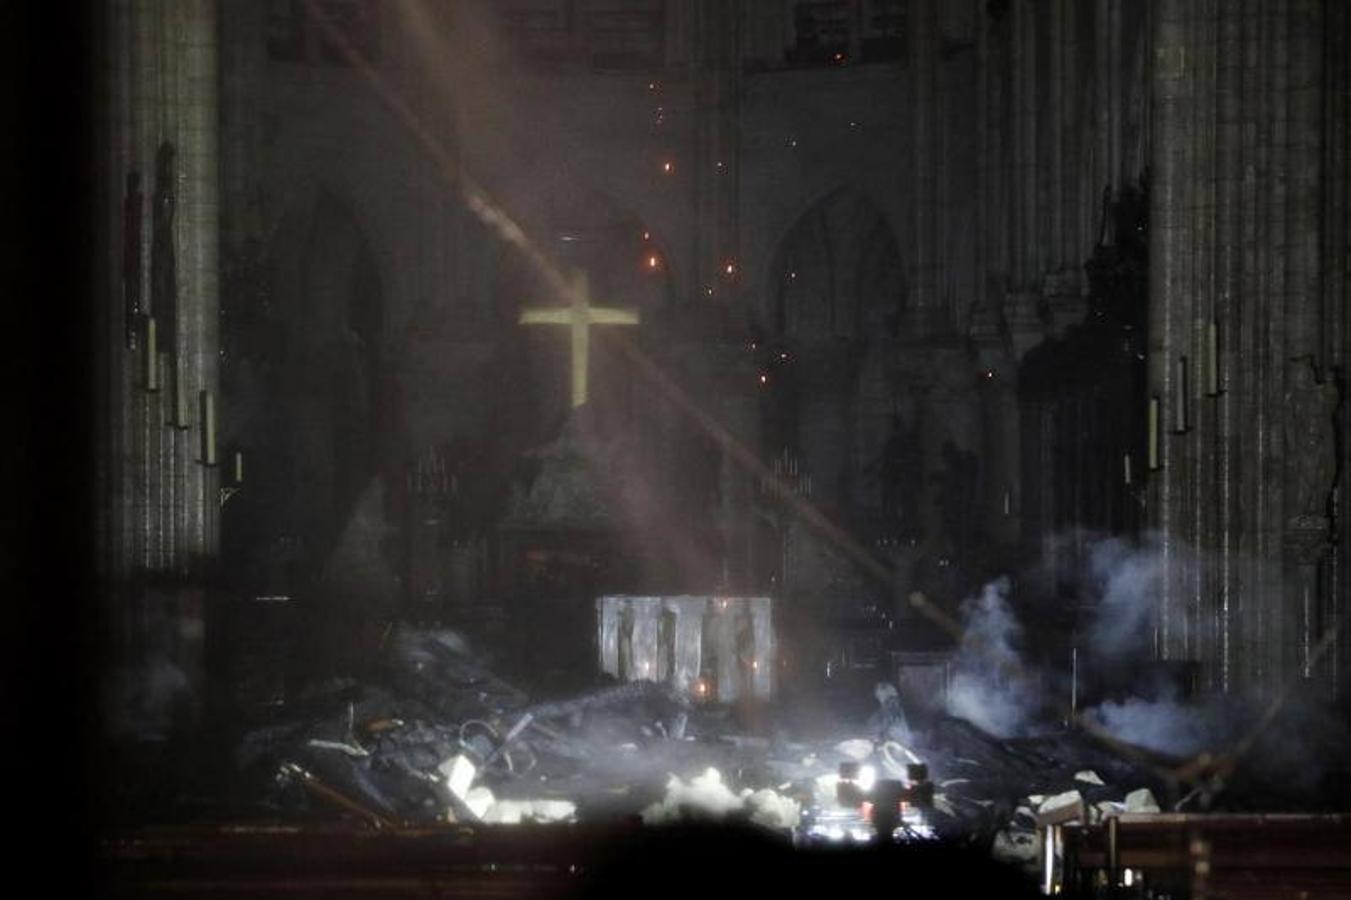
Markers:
point(837, 272)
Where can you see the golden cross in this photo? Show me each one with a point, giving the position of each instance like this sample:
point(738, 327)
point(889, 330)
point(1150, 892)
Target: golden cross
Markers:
point(579, 315)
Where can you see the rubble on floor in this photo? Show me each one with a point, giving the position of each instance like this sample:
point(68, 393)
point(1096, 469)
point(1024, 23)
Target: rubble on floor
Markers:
point(435, 736)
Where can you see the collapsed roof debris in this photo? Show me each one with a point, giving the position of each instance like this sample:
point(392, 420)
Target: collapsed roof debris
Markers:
point(438, 737)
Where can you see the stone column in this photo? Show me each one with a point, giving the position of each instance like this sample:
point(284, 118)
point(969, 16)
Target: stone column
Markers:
point(160, 84)
point(1237, 236)
point(194, 26)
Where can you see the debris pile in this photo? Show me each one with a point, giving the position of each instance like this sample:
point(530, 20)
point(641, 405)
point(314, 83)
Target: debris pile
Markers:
point(435, 736)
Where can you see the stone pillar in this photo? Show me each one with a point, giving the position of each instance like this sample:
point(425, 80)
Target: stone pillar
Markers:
point(161, 80)
point(1236, 251)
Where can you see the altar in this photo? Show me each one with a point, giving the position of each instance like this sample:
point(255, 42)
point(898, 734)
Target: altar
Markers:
point(710, 648)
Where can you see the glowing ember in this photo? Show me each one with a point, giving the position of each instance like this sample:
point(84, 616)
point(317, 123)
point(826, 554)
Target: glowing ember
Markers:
point(668, 167)
point(652, 262)
point(764, 379)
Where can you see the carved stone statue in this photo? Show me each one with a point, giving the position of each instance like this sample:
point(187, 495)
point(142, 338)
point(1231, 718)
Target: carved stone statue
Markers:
point(1310, 442)
point(163, 269)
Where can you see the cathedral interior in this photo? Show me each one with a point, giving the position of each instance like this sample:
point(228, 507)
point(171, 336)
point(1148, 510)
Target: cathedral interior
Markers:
point(520, 428)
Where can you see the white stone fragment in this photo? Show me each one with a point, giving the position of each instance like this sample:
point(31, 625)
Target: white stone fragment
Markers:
point(1142, 801)
point(1088, 776)
point(1059, 802)
point(1109, 808)
point(479, 800)
point(459, 774)
point(513, 812)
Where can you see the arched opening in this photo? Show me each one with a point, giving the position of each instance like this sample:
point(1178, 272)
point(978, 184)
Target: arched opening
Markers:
point(312, 397)
point(836, 289)
point(838, 273)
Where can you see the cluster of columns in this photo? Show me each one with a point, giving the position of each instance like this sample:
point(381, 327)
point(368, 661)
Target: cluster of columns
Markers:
point(158, 286)
point(1246, 336)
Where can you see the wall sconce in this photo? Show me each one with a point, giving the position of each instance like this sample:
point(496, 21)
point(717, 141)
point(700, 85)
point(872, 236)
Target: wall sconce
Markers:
point(1153, 442)
point(1212, 359)
point(207, 410)
point(150, 375)
point(1180, 396)
point(237, 473)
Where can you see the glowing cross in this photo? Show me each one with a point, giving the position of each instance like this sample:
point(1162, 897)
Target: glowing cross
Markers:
point(579, 315)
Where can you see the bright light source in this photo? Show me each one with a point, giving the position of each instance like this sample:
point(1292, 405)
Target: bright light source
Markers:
point(867, 777)
point(647, 235)
point(668, 167)
point(652, 261)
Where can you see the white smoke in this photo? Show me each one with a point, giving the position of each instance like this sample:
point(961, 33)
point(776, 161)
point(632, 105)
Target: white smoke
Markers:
point(990, 686)
point(1126, 580)
point(1164, 725)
